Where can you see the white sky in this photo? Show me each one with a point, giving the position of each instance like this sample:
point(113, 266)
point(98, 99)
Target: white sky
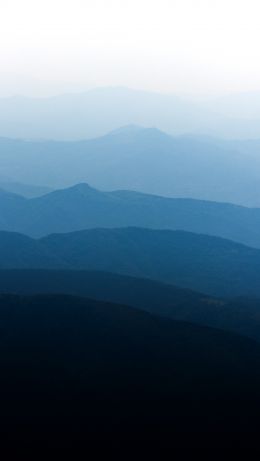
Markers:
point(180, 46)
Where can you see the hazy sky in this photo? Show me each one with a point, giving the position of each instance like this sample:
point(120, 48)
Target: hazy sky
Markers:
point(180, 46)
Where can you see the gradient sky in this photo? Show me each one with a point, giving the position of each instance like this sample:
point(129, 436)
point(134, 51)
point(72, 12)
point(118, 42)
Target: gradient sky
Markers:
point(197, 47)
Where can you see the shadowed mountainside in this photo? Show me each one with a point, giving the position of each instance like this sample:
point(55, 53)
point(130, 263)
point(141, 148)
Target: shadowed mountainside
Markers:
point(207, 264)
point(80, 368)
point(239, 315)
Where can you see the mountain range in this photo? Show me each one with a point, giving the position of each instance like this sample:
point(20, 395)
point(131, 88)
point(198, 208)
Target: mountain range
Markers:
point(207, 264)
point(83, 207)
point(240, 315)
point(129, 308)
point(146, 160)
point(95, 112)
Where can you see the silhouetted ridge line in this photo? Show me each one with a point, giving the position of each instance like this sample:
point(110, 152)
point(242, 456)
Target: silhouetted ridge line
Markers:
point(83, 207)
point(207, 264)
point(238, 315)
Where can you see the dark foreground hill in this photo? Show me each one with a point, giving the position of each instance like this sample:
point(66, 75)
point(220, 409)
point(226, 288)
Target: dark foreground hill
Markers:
point(83, 207)
point(76, 368)
point(206, 264)
point(237, 315)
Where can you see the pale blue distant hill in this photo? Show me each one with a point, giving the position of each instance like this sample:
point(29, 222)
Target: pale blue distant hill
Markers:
point(26, 190)
point(93, 113)
point(143, 159)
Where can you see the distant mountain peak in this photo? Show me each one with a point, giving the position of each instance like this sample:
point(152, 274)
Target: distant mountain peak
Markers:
point(137, 130)
point(82, 189)
point(155, 131)
point(127, 129)
point(82, 186)
point(73, 194)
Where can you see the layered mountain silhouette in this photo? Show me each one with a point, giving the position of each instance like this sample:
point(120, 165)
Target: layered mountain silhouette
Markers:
point(129, 266)
point(240, 315)
point(79, 368)
point(146, 160)
point(83, 207)
point(203, 263)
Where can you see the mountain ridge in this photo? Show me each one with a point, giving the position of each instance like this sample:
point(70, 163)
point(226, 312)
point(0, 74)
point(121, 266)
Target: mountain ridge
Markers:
point(82, 207)
point(92, 111)
point(240, 315)
point(210, 265)
point(148, 160)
